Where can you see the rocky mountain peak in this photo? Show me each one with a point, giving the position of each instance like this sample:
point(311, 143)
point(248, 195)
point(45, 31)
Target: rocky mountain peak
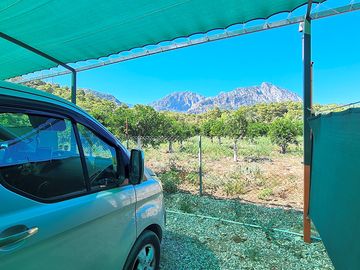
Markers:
point(191, 102)
point(177, 101)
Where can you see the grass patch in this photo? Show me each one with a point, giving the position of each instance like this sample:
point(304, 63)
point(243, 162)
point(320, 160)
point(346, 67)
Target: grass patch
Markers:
point(265, 194)
point(187, 206)
point(260, 147)
point(235, 187)
point(192, 178)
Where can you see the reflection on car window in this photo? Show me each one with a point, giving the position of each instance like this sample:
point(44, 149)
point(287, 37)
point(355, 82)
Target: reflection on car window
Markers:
point(39, 155)
point(101, 160)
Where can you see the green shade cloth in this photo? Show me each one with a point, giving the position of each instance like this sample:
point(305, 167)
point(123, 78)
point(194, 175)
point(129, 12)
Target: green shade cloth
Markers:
point(335, 185)
point(78, 30)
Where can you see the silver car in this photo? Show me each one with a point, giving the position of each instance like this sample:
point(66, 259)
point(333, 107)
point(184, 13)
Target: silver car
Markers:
point(71, 196)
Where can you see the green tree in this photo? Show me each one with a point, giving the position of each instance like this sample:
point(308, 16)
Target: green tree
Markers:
point(283, 131)
point(236, 128)
point(144, 123)
point(169, 129)
point(185, 131)
point(214, 113)
point(118, 122)
point(206, 128)
point(257, 129)
point(102, 110)
point(217, 129)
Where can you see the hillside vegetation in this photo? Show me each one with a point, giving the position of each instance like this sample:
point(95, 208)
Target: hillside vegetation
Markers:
point(282, 121)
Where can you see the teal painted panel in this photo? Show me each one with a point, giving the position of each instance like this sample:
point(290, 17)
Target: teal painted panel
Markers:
point(335, 185)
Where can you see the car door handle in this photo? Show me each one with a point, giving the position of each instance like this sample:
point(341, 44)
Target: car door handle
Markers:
point(17, 237)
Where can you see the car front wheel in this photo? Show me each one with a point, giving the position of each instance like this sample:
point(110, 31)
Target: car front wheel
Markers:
point(145, 254)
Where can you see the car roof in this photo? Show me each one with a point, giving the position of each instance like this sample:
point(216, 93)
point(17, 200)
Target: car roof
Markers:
point(24, 92)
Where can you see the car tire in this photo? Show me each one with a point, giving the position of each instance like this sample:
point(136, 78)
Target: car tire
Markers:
point(145, 254)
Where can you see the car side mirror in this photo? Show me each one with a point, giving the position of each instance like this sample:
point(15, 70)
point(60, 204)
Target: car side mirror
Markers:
point(136, 168)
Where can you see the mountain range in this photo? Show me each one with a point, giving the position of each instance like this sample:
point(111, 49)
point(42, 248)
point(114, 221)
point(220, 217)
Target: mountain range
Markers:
point(191, 102)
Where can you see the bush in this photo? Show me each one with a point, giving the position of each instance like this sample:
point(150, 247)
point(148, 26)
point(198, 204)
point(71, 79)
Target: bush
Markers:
point(235, 187)
point(169, 186)
point(265, 194)
point(187, 206)
point(170, 181)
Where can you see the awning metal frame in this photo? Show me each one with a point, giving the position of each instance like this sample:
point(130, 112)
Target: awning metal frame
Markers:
point(49, 57)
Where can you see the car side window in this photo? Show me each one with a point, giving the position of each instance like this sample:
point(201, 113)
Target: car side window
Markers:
point(101, 160)
point(39, 156)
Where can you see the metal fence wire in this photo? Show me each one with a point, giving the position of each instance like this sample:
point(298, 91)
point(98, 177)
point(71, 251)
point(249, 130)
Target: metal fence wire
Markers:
point(265, 185)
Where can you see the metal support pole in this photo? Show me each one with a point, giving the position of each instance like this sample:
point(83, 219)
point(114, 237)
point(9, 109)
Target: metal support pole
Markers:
point(200, 168)
point(307, 132)
point(73, 86)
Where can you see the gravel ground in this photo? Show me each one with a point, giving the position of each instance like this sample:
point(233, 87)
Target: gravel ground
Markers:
point(193, 242)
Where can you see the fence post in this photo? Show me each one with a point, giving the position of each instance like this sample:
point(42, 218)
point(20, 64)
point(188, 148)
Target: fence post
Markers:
point(200, 168)
point(127, 133)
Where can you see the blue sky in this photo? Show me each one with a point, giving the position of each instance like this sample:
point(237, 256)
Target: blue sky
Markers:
point(273, 56)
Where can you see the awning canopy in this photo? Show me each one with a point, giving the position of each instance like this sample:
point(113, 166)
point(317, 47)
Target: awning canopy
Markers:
point(72, 31)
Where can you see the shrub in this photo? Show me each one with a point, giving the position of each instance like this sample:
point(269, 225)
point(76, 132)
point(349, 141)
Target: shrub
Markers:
point(265, 194)
point(187, 206)
point(170, 181)
point(234, 187)
point(169, 186)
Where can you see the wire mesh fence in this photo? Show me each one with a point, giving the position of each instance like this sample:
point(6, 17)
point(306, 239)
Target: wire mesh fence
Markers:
point(262, 185)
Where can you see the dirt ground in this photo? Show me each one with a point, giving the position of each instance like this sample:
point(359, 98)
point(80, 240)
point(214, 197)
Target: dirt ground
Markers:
point(282, 176)
point(271, 180)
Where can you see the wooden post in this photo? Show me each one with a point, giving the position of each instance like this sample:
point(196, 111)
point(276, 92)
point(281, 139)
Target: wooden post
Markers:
point(307, 221)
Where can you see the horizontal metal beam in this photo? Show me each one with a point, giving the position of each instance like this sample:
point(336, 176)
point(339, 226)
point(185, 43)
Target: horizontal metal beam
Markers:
point(36, 51)
point(215, 37)
point(335, 11)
